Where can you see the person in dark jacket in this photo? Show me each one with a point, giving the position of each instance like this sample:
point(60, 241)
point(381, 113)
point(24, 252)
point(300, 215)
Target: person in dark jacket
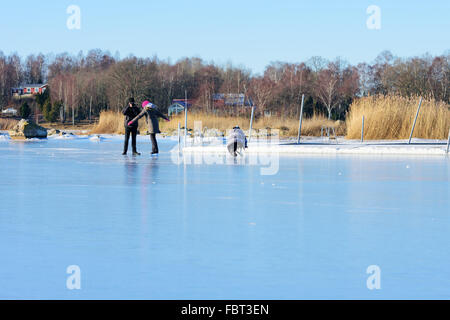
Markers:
point(151, 114)
point(130, 112)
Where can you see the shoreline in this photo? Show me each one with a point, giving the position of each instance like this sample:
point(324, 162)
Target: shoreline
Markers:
point(308, 145)
point(320, 146)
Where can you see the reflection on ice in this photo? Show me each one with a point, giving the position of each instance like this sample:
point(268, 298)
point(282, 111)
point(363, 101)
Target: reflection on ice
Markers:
point(152, 227)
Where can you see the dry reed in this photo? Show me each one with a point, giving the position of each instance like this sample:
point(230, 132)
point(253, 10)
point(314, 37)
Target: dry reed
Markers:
point(112, 122)
point(7, 124)
point(391, 117)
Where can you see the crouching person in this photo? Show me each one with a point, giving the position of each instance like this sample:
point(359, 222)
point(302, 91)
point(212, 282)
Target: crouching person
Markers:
point(130, 112)
point(236, 141)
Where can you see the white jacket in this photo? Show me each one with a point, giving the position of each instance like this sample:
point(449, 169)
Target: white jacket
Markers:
point(236, 135)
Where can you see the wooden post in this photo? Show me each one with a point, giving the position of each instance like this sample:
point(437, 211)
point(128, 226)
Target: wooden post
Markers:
point(300, 120)
point(415, 119)
point(362, 130)
point(251, 124)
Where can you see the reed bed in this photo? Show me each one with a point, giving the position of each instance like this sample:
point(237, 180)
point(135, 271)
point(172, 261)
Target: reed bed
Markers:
point(392, 117)
point(7, 124)
point(113, 122)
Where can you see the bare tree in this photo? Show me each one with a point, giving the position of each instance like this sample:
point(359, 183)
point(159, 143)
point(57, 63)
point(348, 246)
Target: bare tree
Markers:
point(327, 89)
point(261, 89)
point(336, 84)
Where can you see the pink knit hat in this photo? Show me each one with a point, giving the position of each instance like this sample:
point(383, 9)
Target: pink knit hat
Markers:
point(146, 103)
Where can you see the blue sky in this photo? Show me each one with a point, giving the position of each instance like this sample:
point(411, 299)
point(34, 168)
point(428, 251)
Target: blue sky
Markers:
point(246, 32)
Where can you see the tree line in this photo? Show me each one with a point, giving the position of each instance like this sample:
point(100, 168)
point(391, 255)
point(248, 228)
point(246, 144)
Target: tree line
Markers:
point(81, 86)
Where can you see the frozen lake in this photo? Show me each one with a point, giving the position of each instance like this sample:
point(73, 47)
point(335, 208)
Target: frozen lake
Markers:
point(149, 228)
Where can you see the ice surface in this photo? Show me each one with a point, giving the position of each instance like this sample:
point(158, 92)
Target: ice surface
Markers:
point(147, 227)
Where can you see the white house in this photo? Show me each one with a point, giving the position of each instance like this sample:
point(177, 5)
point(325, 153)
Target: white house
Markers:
point(10, 111)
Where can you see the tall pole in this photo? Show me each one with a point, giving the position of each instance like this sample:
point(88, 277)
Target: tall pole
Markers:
point(362, 130)
point(300, 120)
point(448, 141)
point(179, 136)
point(251, 124)
point(415, 119)
point(185, 116)
point(90, 109)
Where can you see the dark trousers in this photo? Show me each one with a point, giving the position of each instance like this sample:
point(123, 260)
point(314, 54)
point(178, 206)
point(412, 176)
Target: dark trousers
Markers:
point(133, 131)
point(154, 143)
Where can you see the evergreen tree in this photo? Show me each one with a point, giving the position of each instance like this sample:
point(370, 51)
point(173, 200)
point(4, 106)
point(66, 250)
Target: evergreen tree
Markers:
point(25, 110)
point(55, 111)
point(42, 98)
point(47, 110)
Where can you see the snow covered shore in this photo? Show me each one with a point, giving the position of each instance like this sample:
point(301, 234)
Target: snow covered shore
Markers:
point(323, 146)
point(308, 145)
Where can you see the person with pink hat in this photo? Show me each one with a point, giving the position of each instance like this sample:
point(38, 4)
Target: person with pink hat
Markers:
point(152, 114)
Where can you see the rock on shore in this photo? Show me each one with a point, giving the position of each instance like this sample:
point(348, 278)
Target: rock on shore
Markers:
point(52, 132)
point(27, 129)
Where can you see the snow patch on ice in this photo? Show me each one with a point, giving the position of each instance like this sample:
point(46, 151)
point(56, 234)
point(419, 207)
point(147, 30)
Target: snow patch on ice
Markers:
point(96, 138)
point(67, 136)
point(4, 137)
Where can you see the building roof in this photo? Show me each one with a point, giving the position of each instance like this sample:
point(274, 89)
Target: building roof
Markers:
point(176, 107)
point(233, 99)
point(9, 110)
point(182, 102)
point(34, 85)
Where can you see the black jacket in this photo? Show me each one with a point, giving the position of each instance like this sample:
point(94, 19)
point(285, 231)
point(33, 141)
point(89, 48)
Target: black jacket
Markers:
point(130, 113)
point(151, 117)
